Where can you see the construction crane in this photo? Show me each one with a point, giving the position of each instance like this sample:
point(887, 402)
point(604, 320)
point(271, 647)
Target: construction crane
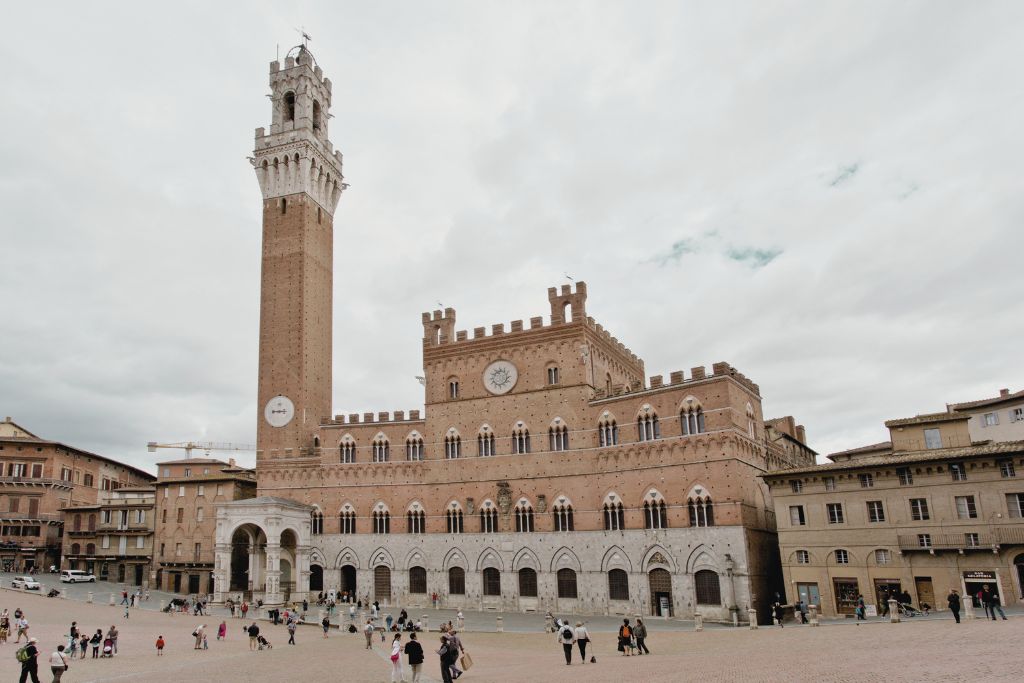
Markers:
point(206, 446)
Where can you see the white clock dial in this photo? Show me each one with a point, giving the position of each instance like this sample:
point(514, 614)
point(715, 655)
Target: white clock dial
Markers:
point(500, 376)
point(279, 411)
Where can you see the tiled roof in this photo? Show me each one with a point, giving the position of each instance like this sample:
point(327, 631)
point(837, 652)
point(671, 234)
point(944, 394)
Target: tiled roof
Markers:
point(925, 419)
point(882, 445)
point(194, 461)
point(1016, 396)
point(905, 457)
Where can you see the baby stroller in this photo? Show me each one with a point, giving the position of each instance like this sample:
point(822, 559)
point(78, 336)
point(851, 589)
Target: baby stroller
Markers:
point(108, 648)
point(908, 610)
point(264, 643)
point(52, 593)
point(175, 604)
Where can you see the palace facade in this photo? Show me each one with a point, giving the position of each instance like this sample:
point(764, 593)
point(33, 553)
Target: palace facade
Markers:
point(546, 471)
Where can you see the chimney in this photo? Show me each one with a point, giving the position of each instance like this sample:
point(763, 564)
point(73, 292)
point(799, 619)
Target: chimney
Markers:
point(231, 462)
point(1002, 393)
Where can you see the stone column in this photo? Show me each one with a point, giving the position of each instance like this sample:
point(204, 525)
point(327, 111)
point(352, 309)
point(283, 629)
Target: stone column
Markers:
point(698, 621)
point(813, 619)
point(221, 572)
point(752, 615)
point(302, 571)
point(273, 595)
point(968, 603)
point(894, 612)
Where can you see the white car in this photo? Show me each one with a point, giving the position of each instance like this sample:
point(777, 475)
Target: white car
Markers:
point(76, 576)
point(26, 582)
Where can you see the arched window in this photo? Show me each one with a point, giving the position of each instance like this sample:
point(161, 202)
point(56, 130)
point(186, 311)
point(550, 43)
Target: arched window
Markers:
point(566, 583)
point(647, 427)
point(456, 581)
point(381, 521)
point(485, 442)
point(492, 581)
point(452, 445)
point(701, 511)
point(552, 374)
point(524, 517)
point(563, 517)
point(709, 591)
point(316, 522)
point(453, 386)
point(520, 439)
point(289, 106)
point(381, 449)
point(691, 417)
point(416, 521)
point(618, 585)
point(348, 520)
point(607, 432)
point(78, 522)
point(316, 115)
point(614, 516)
point(348, 449)
point(527, 583)
point(316, 442)
point(90, 548)
point(417, 580)
point(76, 549)
point(655, 511)
point(558, 436)
point(92, 521)
point(488, 518)
point(414, 447)
point(453, 519)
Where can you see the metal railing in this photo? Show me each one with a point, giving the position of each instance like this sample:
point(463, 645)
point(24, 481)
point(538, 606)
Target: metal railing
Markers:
point(980, 541)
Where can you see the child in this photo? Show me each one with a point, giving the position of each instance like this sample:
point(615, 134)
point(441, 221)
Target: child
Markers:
point(159, 646)
point(84, 644)
point(126, 611)
point(222, 630)
point(206, 645)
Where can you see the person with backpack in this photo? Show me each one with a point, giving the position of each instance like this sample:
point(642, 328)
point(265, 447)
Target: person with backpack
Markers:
point(625, 638)
point(567, 638)
point(28, 655)
point(58, 663)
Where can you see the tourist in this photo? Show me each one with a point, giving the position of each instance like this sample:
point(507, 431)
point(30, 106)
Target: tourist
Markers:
point(222, 630)
point(83, 644)
point(58, 663)
point(5, 626)
point(124, 598)
point(21, 623)
point(351, 612)
point(29, 661)
point(206, 644)
point(397, 675)
point(777, 614)
point(245, 609)
point(126, 611)
point(990, 599)
point(389, 620)
point(433, 599)
point(326, 623)
point(112, 635)
point(640, 632)
point(198, 635)
point(858, 610)
point(460, 619)
point(801, 608)
point(953, 599)
point(415, 653)
point(453, 638)
point(159, 646)
point(254, 634)
point(625, 638)
point(448, 654)
point(368, 631)
point(582, 640)
point(291, 631)
point(566, 637)
point(95, 641)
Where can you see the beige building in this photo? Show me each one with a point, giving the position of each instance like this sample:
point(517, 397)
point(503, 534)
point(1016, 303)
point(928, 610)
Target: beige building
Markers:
point(926, 512)
point(187, 493)
point(113, 538)
point(39, 478)
point(1000, 418)
point(546, 470)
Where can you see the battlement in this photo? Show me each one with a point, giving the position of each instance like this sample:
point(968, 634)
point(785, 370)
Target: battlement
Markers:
point(382, 417)
point(303, 57)
point(678, 378)
point(611, 340)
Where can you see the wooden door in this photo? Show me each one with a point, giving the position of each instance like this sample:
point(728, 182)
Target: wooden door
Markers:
point(925, 591)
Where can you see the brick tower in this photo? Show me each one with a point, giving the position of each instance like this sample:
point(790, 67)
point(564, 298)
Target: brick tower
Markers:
point(301, 180)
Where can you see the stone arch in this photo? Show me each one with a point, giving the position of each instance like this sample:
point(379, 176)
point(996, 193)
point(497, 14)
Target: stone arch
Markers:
point(381, 557)
point(691, 402)
point(564, 558)
point(702, 557)
point(489, 557)
point(346, 556)
point(699, 490)
point(526, 559)
point(658, 556)
point(812, 555)
point(416, 558)
point(317, 557)
point(454, 558)
point(616, 558)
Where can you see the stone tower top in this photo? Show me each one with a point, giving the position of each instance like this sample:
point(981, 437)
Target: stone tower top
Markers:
point(297, 155)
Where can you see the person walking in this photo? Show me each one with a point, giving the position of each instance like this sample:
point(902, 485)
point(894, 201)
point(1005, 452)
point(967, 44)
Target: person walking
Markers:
point(389, 620)
point(453, 638)
point(640, 633)
point(778, 614)
point(582, 640)
point(58, 663)
point(112, 634)
point(21, 623)
point(159, 646)
point(368, 632)
point(447, 654)
point(953, 600)
point(414, 651)
point(397, 675)
point(222, 631)
point(567, 638)
point(326, 623)
point(625, 638)
point(29, 662)
point(460, 619)
point(245, 609)
point(990, 599)
point(254, 635)
point(291, 631)
point(124, 598)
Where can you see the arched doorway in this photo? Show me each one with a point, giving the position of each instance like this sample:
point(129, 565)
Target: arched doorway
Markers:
point(247, 544)
point(1018, 563)
point(382, 583)
point(660, 582)
point(316, 578)
point(348, 581)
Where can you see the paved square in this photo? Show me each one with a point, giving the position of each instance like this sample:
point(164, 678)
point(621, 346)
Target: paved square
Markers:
point(934, 649)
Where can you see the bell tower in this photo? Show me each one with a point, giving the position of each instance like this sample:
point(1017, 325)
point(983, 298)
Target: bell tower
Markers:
point(299, 174)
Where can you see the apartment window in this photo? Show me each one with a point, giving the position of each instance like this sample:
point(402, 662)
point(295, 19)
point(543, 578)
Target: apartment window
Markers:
point(1006, 469)
point(835, 513)
point(33, 506)
point(842, 557)
point(123, 520)
point(924, 540)
point(991, 419)
point(972, 540)
point(181, 491)
point(796, 485)
point(167, 471)
point(905, 475)
point(199, 514)
point(919, 509)
point(140, 516)
point(796, 515)
point(803, 557)
point(1016, 414)
point(958, 471)
point(866, 480)
point(198, 550)
point(105, 541)
point(206, 470)
point(107, 516)
point(188, 471)
point(1015, 504)
point(15, 503)
point(876, 513)
point(87, 480)
point(882, 556)
point(966, 507)
point(16, 469)
point(177, 550)
point(65, 472)
point(220, 489)
point(167, 491)
point(201, 491)
point(163, 516)
point(932, 438)
point(830, 483)
point(453, 389)
point(162, 548)
point(552, 375)
point(181, 515)
point(140, 541)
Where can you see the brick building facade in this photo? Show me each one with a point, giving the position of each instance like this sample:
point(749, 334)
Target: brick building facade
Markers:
point(112, 539)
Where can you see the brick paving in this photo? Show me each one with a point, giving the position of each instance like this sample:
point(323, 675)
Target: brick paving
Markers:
point(921, 649)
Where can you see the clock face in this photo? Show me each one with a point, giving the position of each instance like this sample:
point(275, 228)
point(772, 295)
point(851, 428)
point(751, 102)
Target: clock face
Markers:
point(279, 411)
point(500, 376)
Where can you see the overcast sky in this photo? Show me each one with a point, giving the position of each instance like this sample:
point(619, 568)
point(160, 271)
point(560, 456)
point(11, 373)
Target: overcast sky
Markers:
point(827, 195)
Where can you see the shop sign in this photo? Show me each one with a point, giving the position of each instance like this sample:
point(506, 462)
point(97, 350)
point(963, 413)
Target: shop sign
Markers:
point(979, 576)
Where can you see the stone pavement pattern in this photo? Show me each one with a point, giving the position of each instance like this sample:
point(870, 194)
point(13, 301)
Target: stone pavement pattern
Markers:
point(932, 650)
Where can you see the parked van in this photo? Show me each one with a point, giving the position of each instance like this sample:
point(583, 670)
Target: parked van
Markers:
point(76, 576)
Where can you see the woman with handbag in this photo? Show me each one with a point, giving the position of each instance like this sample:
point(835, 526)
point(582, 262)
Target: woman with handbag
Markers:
point(397, 675)
point(582, 640)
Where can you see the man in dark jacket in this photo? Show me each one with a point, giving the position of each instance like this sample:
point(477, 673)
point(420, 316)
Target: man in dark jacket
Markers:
point(415, 653)
point(953, 599)
point(30, 667)
point(991, 601)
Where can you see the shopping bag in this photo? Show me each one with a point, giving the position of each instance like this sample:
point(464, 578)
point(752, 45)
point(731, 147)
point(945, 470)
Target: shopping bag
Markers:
point(466, 661)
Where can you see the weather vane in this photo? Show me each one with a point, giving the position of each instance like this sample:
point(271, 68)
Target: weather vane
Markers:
point(305, 36)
